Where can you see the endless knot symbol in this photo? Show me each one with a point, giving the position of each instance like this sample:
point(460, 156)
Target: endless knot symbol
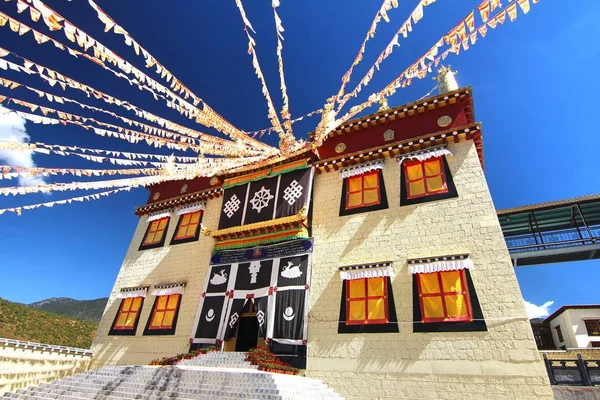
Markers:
point(260, 316)
point(261, 199)
point(233, 320)
point(293, 192)
point(232, 205)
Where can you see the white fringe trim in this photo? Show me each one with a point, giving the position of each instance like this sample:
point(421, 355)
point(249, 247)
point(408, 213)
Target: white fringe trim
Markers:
point(366, 273)
point(439, 266)
point(422, 155)
point(360, 169)
point(168, 291)
point(132, 293)
point(191, 208)
point(159, 215)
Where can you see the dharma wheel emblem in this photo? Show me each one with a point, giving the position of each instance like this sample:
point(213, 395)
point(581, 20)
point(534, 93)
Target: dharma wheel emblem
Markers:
point(213, 181)
point(444, 121)
point(184, 188)
point(388, 135)
point(156, 196)
point(340, 147)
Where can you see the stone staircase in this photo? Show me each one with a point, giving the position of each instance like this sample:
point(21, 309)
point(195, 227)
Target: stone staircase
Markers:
point(211, 376)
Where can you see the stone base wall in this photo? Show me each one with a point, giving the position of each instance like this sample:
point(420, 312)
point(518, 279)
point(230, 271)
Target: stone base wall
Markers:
point(30, 364)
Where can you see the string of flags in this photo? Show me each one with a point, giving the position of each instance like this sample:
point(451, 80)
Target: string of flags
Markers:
point(10, 172)
point(455, 39)
point(285, 110)
point(50, 204)
point(287, 139)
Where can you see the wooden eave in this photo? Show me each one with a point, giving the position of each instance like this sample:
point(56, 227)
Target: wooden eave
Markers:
point(180, 200)
point(468, 132)
point(406, 110)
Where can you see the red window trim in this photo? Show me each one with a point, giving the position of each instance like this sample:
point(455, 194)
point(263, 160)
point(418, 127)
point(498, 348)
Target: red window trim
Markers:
point(164, 231)
point(155, 310)
point(123, 327)
point(366, 299)
point(179, 226)
point(362, 191)
point(442, 294)
point(442, 174)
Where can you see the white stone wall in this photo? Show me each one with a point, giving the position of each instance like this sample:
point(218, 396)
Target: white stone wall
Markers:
point(573, 327)
point(171, 263)
point(501, 363)
point(564, 322)
point(21, 367)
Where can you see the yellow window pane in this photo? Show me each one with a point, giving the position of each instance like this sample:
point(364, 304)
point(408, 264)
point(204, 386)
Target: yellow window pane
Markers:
point(371, 196)
point(168, 319)
point(191, 229)
point(158, 236)
point(432, 307)
point(355, 199)
point(451, 281)
point(130, 321)
point(429, 283)
point(416, 188)
point(357, 288)
point(150, 237)
point(355, 183)
point(456, 306)
point(163, 223)
point(185, 219)
point(195, 217)
point(136, 303)
point(161, 303)
point(414, 172)
point(371, 181)
point(376, 286)
point(377, 309)
point(181, 232)
point(173, 299)
point(357, 311)
point(121, 320)
point(433, 167)
point(435, 184)
point(154, 225)
point(126, 304)
point(158, 318)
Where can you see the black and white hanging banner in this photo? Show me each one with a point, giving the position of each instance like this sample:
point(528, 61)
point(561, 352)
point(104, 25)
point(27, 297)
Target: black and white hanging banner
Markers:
point(210, 318)
point(261, 305)
point(290, 317)
point(218, 279)
point(253, 275)
point(266, 199)
point(293, 271)
point(233, 316)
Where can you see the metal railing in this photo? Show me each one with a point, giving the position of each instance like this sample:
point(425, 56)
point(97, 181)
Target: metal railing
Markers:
point(44, 347)
point(578, 372)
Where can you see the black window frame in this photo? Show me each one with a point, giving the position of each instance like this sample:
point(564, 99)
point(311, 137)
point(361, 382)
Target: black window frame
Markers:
point(157, 332)
point(452, 192)
point(587, 326)
point(162, 240)
point(190, 239)
point(383, 204)
point(126, 332)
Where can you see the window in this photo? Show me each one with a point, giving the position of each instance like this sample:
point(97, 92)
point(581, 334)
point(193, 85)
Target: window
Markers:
point(595, 344)
point(426, 180)
point(446, 302)
point(367, 301)
point(155, 234)
point(593, 327)
point(443, 297)
point(367, 306)
point(188, 227)
point(364, 192)
point(125, 322)
point(164, 315)
point(559, 333)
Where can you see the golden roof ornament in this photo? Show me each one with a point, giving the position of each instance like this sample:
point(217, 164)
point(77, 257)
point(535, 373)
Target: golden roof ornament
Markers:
point(446, 80)
point(384, 104)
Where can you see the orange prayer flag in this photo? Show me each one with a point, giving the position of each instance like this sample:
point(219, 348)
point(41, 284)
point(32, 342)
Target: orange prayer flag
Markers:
point(501, 17)
point(484, 10)
point(495, 4)
point(482, 30)
point(461, 31)
point(470, 20)
point(512, 12)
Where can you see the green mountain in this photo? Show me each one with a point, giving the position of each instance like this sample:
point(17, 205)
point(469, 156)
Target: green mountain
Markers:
point(18, 321)
point(87, 310)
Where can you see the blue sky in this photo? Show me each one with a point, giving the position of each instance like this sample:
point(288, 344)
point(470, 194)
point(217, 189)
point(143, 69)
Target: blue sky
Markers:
point(534, 91)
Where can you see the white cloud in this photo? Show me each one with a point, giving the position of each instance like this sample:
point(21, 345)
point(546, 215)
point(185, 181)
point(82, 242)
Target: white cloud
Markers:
point(12, 129)
point(534, 311)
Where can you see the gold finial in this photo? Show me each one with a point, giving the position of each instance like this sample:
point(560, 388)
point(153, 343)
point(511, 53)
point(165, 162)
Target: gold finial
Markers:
point(446, 79)
point(384, 105)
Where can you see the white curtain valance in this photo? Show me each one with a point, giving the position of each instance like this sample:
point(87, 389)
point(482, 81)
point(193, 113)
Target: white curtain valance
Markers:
point(159, 215)
point(439, 264)
point(422, 155)
point(360, 169)
point(165, 290)
point(132, 292)
point(366, 271)
point(191, 208)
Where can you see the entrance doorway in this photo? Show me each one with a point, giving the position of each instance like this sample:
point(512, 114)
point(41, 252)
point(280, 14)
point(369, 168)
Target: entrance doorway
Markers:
point(247, 335)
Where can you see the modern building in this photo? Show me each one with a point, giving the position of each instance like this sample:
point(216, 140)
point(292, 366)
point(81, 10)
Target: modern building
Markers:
point(575, 327)
point(375, 262)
